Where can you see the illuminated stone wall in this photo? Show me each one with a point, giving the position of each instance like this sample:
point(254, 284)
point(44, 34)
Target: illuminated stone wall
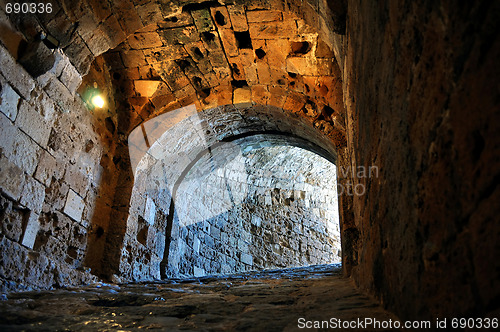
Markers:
point(176, 165)
point(50, 173)
point(252, 204)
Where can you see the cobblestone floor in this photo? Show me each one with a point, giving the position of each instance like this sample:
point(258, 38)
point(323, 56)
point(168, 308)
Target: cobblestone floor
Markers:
point(262, 301)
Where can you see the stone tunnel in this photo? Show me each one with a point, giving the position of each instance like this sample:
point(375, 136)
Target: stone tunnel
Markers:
point(147, 141)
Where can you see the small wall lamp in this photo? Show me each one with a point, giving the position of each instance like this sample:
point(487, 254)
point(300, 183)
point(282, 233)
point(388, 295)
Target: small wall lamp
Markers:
point(93, 97)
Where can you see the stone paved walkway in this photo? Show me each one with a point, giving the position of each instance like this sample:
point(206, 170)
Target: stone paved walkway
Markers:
point(262, 301)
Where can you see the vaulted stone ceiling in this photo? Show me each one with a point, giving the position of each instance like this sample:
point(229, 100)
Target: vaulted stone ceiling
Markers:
point(162, 55)
point(209, 54)
point(153, 57)
point(223, 55)
point(272, 59)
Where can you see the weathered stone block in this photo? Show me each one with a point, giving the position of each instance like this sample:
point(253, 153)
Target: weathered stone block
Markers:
point(37, 58)
point(33, 123)
point(295, 102)
point(150, 211)
point(260, 94)
point(11, 178)
point(113, 31)
point(224, 95)
point(264, 73)
point(150, 13)
point(180, 36)
point(113, 59)
point(98, 42)
point(220, 16)
point(9, 100)
point(145, 40)
point(61, 62)
point(301, 65)
point(15, 74)
point(146, 88)
point(31, 230)
point(71, 78)
point(181, 19)
point(74, 205)
point(133, 58)
point(242, 95)
point(229, 41)
point(196, 245)
point(129, 19)
point(263, 16)
point(59, 27)
point(100, 9)
point(33, 195)
point(199, 272)
point(277, 50)
point(24, 152)
point(323, 50)
point(272, 30)
point(78, 240)
point(12, 256)
point(49, 245)
point(325, 67)
point(277, 96)
point(13, 217)
point(247, 259)
point(160, 55)
point(237, 69)
point(203, 20)
point(238, 17)
point(79, 55)
point(186, 94)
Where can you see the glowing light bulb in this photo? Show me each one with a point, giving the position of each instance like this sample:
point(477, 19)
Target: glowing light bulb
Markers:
point(97, 101)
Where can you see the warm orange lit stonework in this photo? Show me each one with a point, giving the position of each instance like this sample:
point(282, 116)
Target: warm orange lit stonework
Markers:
point(226, 130)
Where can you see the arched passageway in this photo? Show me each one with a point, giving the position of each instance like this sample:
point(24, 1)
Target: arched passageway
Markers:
point(410, 88)
point(227, 190)
point(202, 57)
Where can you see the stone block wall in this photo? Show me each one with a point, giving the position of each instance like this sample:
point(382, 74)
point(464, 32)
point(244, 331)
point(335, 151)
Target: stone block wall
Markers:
point(49, 176)
point(421, 91)
point(252, 204)
point(167, 153)
point(265, 52)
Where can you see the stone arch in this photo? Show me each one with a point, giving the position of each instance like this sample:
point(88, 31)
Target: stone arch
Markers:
point(412, 77)
point(91, 33)
point(164, 150)
point(85, 29)
point(303, 81)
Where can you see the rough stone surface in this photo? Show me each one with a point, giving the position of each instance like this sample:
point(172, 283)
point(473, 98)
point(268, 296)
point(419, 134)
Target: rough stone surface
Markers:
point(33, 195)
point(11, 177)
point(422, 104)
point(74, 206)
point(39, 143)
point(260, 204)
point(411, 88)
point(9, 99)
point(31, 231)
point(15, 74)
point(266, 301)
